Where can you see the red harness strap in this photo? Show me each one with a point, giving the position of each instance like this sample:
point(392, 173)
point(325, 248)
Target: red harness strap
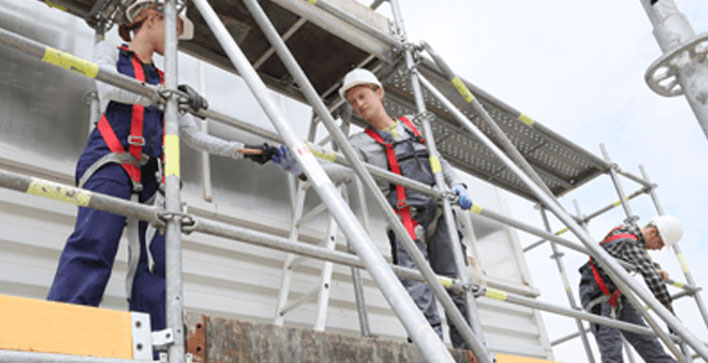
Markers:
point(402, 207)
point(596, 274)
point(135, 139)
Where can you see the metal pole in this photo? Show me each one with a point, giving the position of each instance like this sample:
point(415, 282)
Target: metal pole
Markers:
point(677, 250)
point(606, 261)
point(95, 104)
point(173, 238)
point(324, 115)
point(351, 20)
point(204, 124)
point(414, 322)
point(558, 257)
point(467, 96)
point(476, 342)
point(631, 219)
point(682, 68)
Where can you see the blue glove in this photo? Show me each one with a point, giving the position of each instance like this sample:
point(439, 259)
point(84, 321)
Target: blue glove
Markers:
point(463, 196)
point(286, 161)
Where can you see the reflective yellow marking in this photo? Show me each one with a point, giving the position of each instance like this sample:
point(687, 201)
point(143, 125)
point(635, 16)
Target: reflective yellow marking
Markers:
point(526, 119)
point(172, 155)
point(322, 154)
point(561, 231)
point(495, 294)
point(59, 192)
point(60, 328)
point(70, 62)
point(53, 5)
point(678, 284)
point(682, 261)
point(447, 282)
point(566, 282)
point(313, 2)
point(476, 208)
point(462, 89)
point(435, 164)
point(616, 203)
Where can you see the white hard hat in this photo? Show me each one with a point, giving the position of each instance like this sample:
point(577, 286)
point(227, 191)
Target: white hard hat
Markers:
point(358, 77)
point(133, 10)
point(669, 229)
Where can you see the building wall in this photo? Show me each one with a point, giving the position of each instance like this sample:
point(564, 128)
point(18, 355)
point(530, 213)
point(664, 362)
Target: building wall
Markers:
point(43, 128)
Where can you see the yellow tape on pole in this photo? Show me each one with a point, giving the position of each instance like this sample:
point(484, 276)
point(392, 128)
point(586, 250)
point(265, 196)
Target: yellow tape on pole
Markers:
point(495, 294)
point(53, 5)
point(324, 155)
point(526, 119)
point(447, 282)
point(476, 208)
point(678, 284)
point(70, 62)
point(435, 164)
point(172, 155)
point(561, 231)
point(313, 2)
point(462, 89)
point(682, 261)
point(59, 192)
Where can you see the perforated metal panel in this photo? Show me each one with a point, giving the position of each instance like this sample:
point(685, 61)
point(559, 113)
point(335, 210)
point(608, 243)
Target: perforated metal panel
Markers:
point(561, 164)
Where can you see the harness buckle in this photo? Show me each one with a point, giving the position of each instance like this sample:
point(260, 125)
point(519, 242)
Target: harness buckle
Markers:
point(401, 204)
point(136, 140)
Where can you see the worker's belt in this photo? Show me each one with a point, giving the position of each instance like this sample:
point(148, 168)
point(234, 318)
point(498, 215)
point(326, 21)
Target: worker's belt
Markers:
point(402, 208)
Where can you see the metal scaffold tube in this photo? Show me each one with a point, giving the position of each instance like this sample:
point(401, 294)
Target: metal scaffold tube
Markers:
point(677, 251)
point(342, 142)
point(173, 236)
point(607, 262)
point(557, 256)
point(682, 68)
point(420, 331)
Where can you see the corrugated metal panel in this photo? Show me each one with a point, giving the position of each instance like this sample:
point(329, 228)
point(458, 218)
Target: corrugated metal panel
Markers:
point(222, 278)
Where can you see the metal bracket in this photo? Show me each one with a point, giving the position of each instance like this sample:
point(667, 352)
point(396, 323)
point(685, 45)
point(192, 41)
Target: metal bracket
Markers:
point(162, 339)
point(187, 221)
point(142, 347)
point(662, 75)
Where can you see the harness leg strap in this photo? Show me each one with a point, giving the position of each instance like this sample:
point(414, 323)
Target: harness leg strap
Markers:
point(132, 234)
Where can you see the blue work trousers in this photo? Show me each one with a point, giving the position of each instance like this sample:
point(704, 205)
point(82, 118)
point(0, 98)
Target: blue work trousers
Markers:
point(87, 260)
point(438, 251)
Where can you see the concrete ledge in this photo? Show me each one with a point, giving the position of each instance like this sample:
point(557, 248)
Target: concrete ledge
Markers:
point(213, 339)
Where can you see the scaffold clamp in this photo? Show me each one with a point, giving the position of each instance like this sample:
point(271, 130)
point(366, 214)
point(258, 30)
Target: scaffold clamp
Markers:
point(162, 339)
point(662, 76)
point(187, 221)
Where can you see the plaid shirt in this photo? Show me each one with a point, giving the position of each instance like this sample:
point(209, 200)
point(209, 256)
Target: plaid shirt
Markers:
point(634, 252)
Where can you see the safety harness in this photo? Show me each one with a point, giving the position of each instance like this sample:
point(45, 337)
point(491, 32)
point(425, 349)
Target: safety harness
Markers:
point(131, 161)
point(609, 238)
point(402, 208)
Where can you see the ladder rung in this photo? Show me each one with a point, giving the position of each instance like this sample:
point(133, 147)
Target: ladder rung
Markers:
point(314, 212)
point(302, 299)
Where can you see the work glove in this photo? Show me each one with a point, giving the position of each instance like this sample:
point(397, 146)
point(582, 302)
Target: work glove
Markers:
point(268, 153)
point(195, 101)
point(463, 196)
point(286, 161)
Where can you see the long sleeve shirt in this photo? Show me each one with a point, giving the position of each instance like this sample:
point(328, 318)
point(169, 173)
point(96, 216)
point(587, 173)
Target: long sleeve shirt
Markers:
point(369, 151)
point(107, 55)
point(634, 252)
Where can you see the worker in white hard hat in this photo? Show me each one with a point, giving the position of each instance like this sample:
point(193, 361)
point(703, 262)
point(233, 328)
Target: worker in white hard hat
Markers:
point(123, 159)
point(397, 145)
point(599, 295)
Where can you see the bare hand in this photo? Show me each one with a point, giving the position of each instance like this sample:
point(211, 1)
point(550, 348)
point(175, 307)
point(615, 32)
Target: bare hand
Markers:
point(664, 274)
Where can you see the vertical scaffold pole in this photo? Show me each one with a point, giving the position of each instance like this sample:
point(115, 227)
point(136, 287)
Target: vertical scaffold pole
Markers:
point(682, 69)
point(549, 201)
point(472, 316)
point(394, 222)
point(173, 239)
point(415, 324)
point(558, 257)
point(677, 250)
point(631, 219)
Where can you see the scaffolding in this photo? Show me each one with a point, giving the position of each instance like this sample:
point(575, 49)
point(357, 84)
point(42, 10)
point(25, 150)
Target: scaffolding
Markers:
point(512, 151)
